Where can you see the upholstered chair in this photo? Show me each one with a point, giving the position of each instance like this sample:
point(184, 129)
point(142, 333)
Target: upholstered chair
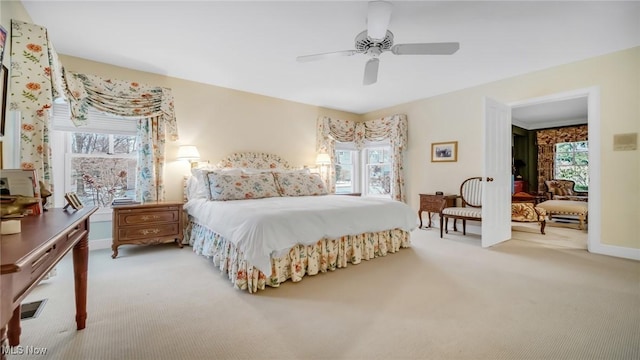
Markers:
point(558, 189)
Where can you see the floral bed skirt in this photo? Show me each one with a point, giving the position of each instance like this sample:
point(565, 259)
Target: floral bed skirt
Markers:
point(325, 255)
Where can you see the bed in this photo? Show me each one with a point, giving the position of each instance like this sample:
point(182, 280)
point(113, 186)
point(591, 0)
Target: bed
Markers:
point(263, 222)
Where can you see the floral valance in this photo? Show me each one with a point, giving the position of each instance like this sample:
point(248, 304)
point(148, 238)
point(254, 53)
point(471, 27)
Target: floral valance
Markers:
point(392, 128)
point(562, 135)
point(120, 98)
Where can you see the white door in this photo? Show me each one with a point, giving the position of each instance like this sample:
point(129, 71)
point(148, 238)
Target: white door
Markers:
point(496, 189)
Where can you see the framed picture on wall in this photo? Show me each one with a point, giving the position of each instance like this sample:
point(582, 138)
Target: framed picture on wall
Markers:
point(4, 89)
point(3, 42)
point(444, 151)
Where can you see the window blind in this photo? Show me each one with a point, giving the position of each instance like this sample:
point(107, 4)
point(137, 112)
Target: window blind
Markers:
point(98, 122)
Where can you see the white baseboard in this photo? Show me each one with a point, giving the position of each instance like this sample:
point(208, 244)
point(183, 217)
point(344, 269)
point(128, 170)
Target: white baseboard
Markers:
point(617, 251)
point(100, 244)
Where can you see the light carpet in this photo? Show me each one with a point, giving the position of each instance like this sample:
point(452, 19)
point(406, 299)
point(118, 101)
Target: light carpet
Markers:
point(440, 299)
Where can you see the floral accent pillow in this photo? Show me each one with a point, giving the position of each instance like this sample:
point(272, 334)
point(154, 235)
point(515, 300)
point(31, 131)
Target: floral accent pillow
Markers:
point(202, 181)
point(300, 184)
point(244, 186)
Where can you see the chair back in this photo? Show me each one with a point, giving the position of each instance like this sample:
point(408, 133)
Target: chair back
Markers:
point(560, 187)
point(471, 192)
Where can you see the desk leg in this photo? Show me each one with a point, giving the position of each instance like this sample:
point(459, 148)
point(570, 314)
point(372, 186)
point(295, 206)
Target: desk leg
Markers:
point(3, 342)
point(80, 266)
point(14, 330)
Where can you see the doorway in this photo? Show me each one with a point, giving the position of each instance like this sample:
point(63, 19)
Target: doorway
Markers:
point(585, 99)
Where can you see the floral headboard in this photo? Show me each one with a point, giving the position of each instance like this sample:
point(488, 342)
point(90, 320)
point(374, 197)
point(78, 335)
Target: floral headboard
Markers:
point(254, 160)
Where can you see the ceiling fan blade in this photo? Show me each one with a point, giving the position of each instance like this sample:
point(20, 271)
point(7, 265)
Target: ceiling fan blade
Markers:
point(329, 55)
point(378, 19)
point(426, 49)
point(371, 71)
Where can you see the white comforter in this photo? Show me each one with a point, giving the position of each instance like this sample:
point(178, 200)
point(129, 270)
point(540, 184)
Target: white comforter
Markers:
point(271, 226)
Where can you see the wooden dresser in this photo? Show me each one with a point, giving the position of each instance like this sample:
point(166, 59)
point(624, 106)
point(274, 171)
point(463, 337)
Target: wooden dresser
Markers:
point(434, 204)
point(30, 254)
point(147, 224)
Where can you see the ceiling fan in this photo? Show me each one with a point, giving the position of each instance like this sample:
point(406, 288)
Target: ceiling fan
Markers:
point(378, 39)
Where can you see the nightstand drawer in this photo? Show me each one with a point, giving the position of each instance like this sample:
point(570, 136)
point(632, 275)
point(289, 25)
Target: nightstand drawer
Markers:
point(135, 217)
point(147, 224)
point(148, 231)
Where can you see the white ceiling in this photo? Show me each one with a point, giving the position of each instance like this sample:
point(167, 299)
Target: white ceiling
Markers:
point(252, 46)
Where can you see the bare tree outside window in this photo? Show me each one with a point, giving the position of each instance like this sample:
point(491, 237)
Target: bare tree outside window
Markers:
point(103, 167)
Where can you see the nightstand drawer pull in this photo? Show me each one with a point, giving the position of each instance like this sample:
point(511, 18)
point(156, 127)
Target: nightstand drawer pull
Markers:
point(149, 231)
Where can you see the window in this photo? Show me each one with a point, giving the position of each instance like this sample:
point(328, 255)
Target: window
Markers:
point(99, 160)
point(367, 171)
point(102, 167)
point(378, 171)
point(572, 163)
point(346, 174)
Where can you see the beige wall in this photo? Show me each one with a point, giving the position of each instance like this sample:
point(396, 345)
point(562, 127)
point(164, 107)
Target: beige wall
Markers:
point(221, 121)
point(459, 116)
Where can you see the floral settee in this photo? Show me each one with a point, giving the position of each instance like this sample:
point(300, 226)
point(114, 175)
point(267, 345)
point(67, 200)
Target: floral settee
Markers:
point(528, 212)
point(564, 190)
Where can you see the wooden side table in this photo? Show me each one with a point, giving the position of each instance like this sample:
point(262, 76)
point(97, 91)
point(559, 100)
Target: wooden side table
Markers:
point(434, 204)
point(147, 224)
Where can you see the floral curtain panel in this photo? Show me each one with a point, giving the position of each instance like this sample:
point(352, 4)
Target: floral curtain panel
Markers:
point(151, 137)
point(36, 79)
point(393, 128)
point(547, 140)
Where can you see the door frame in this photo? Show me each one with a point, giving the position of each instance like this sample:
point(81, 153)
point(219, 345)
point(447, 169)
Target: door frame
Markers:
point(594, 124)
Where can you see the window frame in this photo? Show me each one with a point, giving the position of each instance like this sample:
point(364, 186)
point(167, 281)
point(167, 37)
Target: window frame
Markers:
point(360, 163)
point(573, 152)
point(355, 168)
point(62, 130)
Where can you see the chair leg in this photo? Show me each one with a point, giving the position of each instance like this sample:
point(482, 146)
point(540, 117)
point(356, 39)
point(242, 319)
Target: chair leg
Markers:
point(542, 225)
point(441, 222)
point(464, 227)
point(446, 225)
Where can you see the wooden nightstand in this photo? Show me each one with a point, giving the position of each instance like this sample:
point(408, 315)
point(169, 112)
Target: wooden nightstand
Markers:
point(147, 224)
point(435, 204)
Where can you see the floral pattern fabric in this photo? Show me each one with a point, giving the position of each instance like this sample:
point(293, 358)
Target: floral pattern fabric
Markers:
point(238, 187)
point(527, 212)
point(151, 139)
point(393, 128)
point(299, 184)
point(120, 98)
point(546, 141)
point(35, 82)
point(325, 255)
point(253, 160)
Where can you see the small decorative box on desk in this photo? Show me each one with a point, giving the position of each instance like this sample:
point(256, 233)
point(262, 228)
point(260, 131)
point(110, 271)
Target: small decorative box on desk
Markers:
point(147, 224)
point(434, 204)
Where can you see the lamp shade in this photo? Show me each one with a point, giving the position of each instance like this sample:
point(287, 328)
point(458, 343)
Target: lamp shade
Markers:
point(188, 152)
point(323, 159)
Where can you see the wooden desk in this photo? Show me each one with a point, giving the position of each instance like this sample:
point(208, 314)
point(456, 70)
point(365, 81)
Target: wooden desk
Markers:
point(435, 204)
point(28, 256)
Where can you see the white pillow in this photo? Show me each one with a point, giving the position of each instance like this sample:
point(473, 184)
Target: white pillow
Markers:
point(192, 188)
